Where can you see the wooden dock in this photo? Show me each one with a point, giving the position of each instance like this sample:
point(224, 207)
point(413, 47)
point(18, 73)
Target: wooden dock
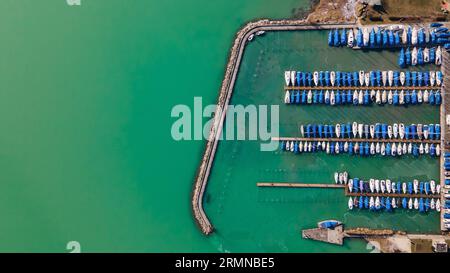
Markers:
point(385, 140)
point(299, 185)
point(363, 88)
point(342, 186)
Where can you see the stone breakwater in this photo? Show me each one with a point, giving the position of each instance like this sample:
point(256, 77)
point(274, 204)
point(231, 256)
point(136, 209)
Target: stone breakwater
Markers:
point(226, 91)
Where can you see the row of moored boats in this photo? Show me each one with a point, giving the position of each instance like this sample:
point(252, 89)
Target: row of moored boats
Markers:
point(420, 56)
point(361, 148)
point(392, 36)
point(363, 97)
point(372, 131)
point(374, 78)
point(378, 203)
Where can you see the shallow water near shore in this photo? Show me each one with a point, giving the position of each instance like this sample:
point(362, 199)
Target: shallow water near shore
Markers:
point(248, 218)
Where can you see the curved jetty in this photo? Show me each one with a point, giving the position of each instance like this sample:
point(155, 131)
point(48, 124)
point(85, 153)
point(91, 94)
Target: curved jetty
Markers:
point(226, 91)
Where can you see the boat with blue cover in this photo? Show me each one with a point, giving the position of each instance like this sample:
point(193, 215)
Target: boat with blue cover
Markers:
point(401, 59)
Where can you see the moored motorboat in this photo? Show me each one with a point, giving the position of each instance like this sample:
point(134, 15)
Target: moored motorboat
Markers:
point(332, 78)
point(371, 203)
point(389, 97)
point(438, 205)
point(377, 148)
point(360, 130)
point(432, 78)
point(338, 130)
point(432, 204)
point(345, 177)
point(390, 77)
point(378, 97)
point(404, 188)
point(426, 95)
point(372, 131)
point(383, 149)
point(377, 203)
point(410, 203)
point(367, 79)
point(336, 177)
point(389, 131)
point(350, 185)
point(426, 55)
point(402, 78)
point(293, 78)
point(414, 36)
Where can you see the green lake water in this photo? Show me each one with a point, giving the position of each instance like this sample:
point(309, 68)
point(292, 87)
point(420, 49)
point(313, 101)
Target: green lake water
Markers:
point(86, 152)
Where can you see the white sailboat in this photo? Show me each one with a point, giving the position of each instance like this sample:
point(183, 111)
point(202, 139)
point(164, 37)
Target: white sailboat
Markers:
point(414, 56)
point(404, 36)
point(383, 149)
point(395, 130)
point(346, 146)
point(367, 79)
point(361, 77)
point(410, 203)
point(432, 78)
point(416, 203)
point(316, 78)
point(394, 149)
point(345, 177)
point(388, 185)
point(419, 96)
point(377, 203)
point(401, 130)
point(438, 205)
point(336, 148)
point(433, 186)
point(414, 36)
point(426, 55)
point(372, 185)
point(337, 130)
point(292, 146)
point(390, 97)
point(377, 148)
point(410, 148)
point(416, 186)
point(360, 130)
point(404, 188)
point(404, 149)
point(378, 97)
point(332, 98)
point(365, 36)
point(394, 203)
point(355, 129)
point(300, 147)
point(389, 131)
point(421, 149)
point(350, 38)
point(383, 186)
point(426, 148)
point(402, 78)
point(309, 97)
point(390, 77)
point(394, 188)
point(438, 150)
point(350, 185)
point(350, 203)
point(432, 204)
point(371, 202)
point(287, 98)
point(377, 185)
point(292, 78)
point(372, 148)
point(426, 95)
point(327, 95)
point(420, 130)
point(401, 97)
point(384, 77)
point(383, 96)
point(360, 97)
point(438, 59)
point(287, 77)
point(372, 131)
point(332, 77)
point(328, 148)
